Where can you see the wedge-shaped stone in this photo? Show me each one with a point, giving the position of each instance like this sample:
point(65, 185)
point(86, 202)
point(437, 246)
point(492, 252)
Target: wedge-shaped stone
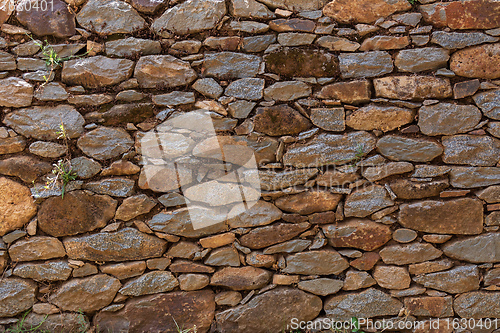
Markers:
point(363, 11)
point(125, 244)
point(366, 201)
point(458, 280)
point(383, 118)
point(412, 87)
point(477, 62)
point(263, 237)
point(407, 189)
point(376, 173)
point(409, 253)
point(358, 233)
point(150, 283)
point(324, 262)
point(477, 249)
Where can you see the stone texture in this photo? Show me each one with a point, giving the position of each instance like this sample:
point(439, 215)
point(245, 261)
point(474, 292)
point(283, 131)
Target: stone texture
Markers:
point(366, 201)
point(430, 266)
point(384, 43)
point(477, 304)
point(134, 206)
point(27, 168)
point(294, 62)
point(201, 15)
point(105, 142)
point(477, 62)
point(324, 262)
point(260, 214)
point(490, 194)
point(458, 40)
point(401, 148)
point(327, 149)
point(147, 6)
point(230, 65)
point(248, 88)
point(337, 44)
point(263, 237)
point(163, 70)
point(386, 170)
point(482, 14)
point(329, 119)
point(42, 122)
point(78, 212)
point(85, 167)
point(16, 296)
point(488, 102)
point(16, 204)
point(190, 282)
point(468, 177)
point(149, 283)
point(460, 279)
point(353, 92)
point(93, 72)
point(287, 91)
point(47, 149)
point(86, 294)
point(436, 307)
point(366, 304)
point(131, 46)
point(448, 119)
point(12, 145)
point(57, 323)
point(409, 253)
point(355, 280)
point(250, 9)
point(309, 202)
point(383, 118)
point(36, 248)
point(321, 286)
point(361, 11)
point(271, 180)
point(407, 189)
point(123, 113)
point(471, 150)
point(476, 249)
point(225, 256)
point(47, 271)
point(357, 233)
point(244, 278)
point(460, 216)
point(109, 17)
point(412, 87)
point(268, 311)
point(392, 277)
point(280, 120)
point(5, 12)
point(422, 59)
point(56, 20)
point(367, 64)
point(124, 270)
point(125, 244)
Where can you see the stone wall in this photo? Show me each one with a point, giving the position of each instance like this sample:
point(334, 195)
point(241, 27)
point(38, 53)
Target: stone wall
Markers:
point(375, 125)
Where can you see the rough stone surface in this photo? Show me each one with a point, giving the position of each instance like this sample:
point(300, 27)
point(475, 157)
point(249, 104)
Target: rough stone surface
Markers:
point(458, 40)
point(293, 62)
point(36, 248)
point(412, 87)
point(56, 20)
point(260, 214)
point(244, 278)
point(321, 286)
point(149, 283)
point(407, 189)
point(477, 304)
point(409, 253)
point(48, 271)
point(130, 46)
point(419, 60)
point(471, 150)
point(457, 280)
point(16, 204)
point(323, 262)
point(367, 64)
point(437, 307)
point(353, 92)
point(469, 177)
point(230, 65)
point(488, 102)
point(280, 120)
point(383, 118)
point(392, 277)
point(477, 62)
point(447, 118)
point(262, 237)
point(357, 233)
point(367, 200)
point(309, 202)
point(163, 70)
point(16, 295)
point(401, 148)
point(361, 11)
point(476, 249)
point(27, 168)
point(105, 142)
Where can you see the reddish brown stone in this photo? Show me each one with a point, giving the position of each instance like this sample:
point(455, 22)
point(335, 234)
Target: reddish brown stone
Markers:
point(223, 43)
point(366, 261)
point(477, 61)
point(493, 207)
point(357, 233)
point(385, 43)
point(27, 168)
point(55, 20)
point(470, 14)
point(301, 63)
point(322, 218)
point(392, 277)
point(12, 145)
point(466, 88)
point(184, 266)
point(5, 11)
point(156, 313)
point(244, 278)
point(284, 25)
point(259, 238)
point(16, 205)
point(430, 306)
point(363, 11)
point(353, 92)
point(280, 120)
point(453, 193)
point(309, 202)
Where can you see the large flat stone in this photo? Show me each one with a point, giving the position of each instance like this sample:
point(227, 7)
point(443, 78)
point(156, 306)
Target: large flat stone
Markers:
point(412, 87)
point(366, 201)
point(308, 202)
point(294, 62)
point(324, 262)
point(477, 62)
point(367, 64)
point(53, 20)
point(459, 40)
point(16, 204)
point(166, 71)
point(489, 103)
point(358, 233)
point(57, 270)
point(36, 248)
point(477, 304)
point(476, 249)
point(353, 92)
point(363, 11)
point(149, 283)
point(421, 59)
point(471, 150)
point(448, 119)
point(457, 280)
point(16, 295)
point(280, 120)
point(244, 278)
point(266, 236)
point(125, 244)
point(401, 148)
point(383, 118)
point(469, 177)
point(105, 142)
point(407, 189)
point(262, 213)
point(409, 253)
point(231, 65)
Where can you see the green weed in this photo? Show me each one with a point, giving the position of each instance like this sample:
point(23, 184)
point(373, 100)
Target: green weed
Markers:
point(19, 326)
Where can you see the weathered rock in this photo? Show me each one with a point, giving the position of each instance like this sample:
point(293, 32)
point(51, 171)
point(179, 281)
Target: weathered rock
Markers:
point(412, 87)
point(477, 304)
point(286, 25)
point(57, 322)
point(150, 283)
point(407, 189)
point(270, 180)
point(77, 213)
point(47, 149)
point(115, 187)
point(98, 71)
point(361, 11)
point(294, 62)
point(224, 256)
point(215, 193)
point(353, 92)
point(392, 277)
point(367, 200)
point(16, 295)
point(357, 233)
point(122, 113)
point(266, 312)
point(230, 65)
point(250, 9)
point(280, 120)
point(131, 46)
point(201, 15)
point(125, 244)
point(460, 279)
point(147, 6)
point(324, 262)
point(7, 61)
point(329, 119)
point(263, 237)
point(296, 5)
point(471, 150)
point(258, 259)
point(490, 194)
point(109, 17)
point(366, 304)
point(422, 59)
point(476, 249)
point(384, 118)
point(248, 88)
point(385, 170)
point(477, 61)
point(121, 168)
point(27, 168)
point(321, 286)
point(337, 178)
point(481, 14)
point(5, 12)
point(327, 149)
point(16, 205)
point(448, 119)
point(384, 43)
point(155, 312)
point(402, 235)
point(457, 40)
point(337, 44)
point(366, 261)
point(437, 307)
point(47, 271)
point(460, 216)
point(401, 148)
point(355, 280)
point(262, 213)
point(468, 177)
point(105, 142)
point(163, 70)
point(36, 248)
point(488, 102)
point(86, 294)
point(43, 122)
point(257, 43)
point(309, 202)
point(54, 20)
point(190, 282)
point(287, 91)
point(367, 64)
point(430, 266)
point(134, 206)
point(12, 145)
point(244, 278)
point(409, 253)
point(292, 246)
point(124, 270)
point(249, 26)
point(85, 167)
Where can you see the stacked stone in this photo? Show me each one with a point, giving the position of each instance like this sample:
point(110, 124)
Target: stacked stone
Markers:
point(375, 124)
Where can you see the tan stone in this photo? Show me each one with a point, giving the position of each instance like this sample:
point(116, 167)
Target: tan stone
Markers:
point(430, 266)
point(384, 118)
point(414, 87)
point(281, 279)
point(124, 270)
point(430, 306)
point(218, 240)
point(352, 92)
point(384, 43)
point(36, 248)
point(358, 233)
point(244, 278)
point(477, 61)
point(309, 202)
point(263, 237)
point(16, 205)
point(392, 277)
point(363, 11)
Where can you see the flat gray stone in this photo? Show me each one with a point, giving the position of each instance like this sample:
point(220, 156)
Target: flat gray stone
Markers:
point(257, 43)
point(470, 177)
point(401, 148)
point(421, 59)
point(15, 92)
point(448, 119)
point(85, 167)
point(321, 286)
point(16, 295)
point(105, 142)
point(367, 64)
point(459, 40)
point(115, 187)
point(51, 92)
point(477, 304)
point(150, 283)
point(230, 65)
point(47, 271)
point(131, 46)
point(471, 150)
point(248, 88)
point(329, 119)
point(208, 87)
point(368, 200)
point(454, 281)
point(163, 70)
point(489, 103)
point(476, 249)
